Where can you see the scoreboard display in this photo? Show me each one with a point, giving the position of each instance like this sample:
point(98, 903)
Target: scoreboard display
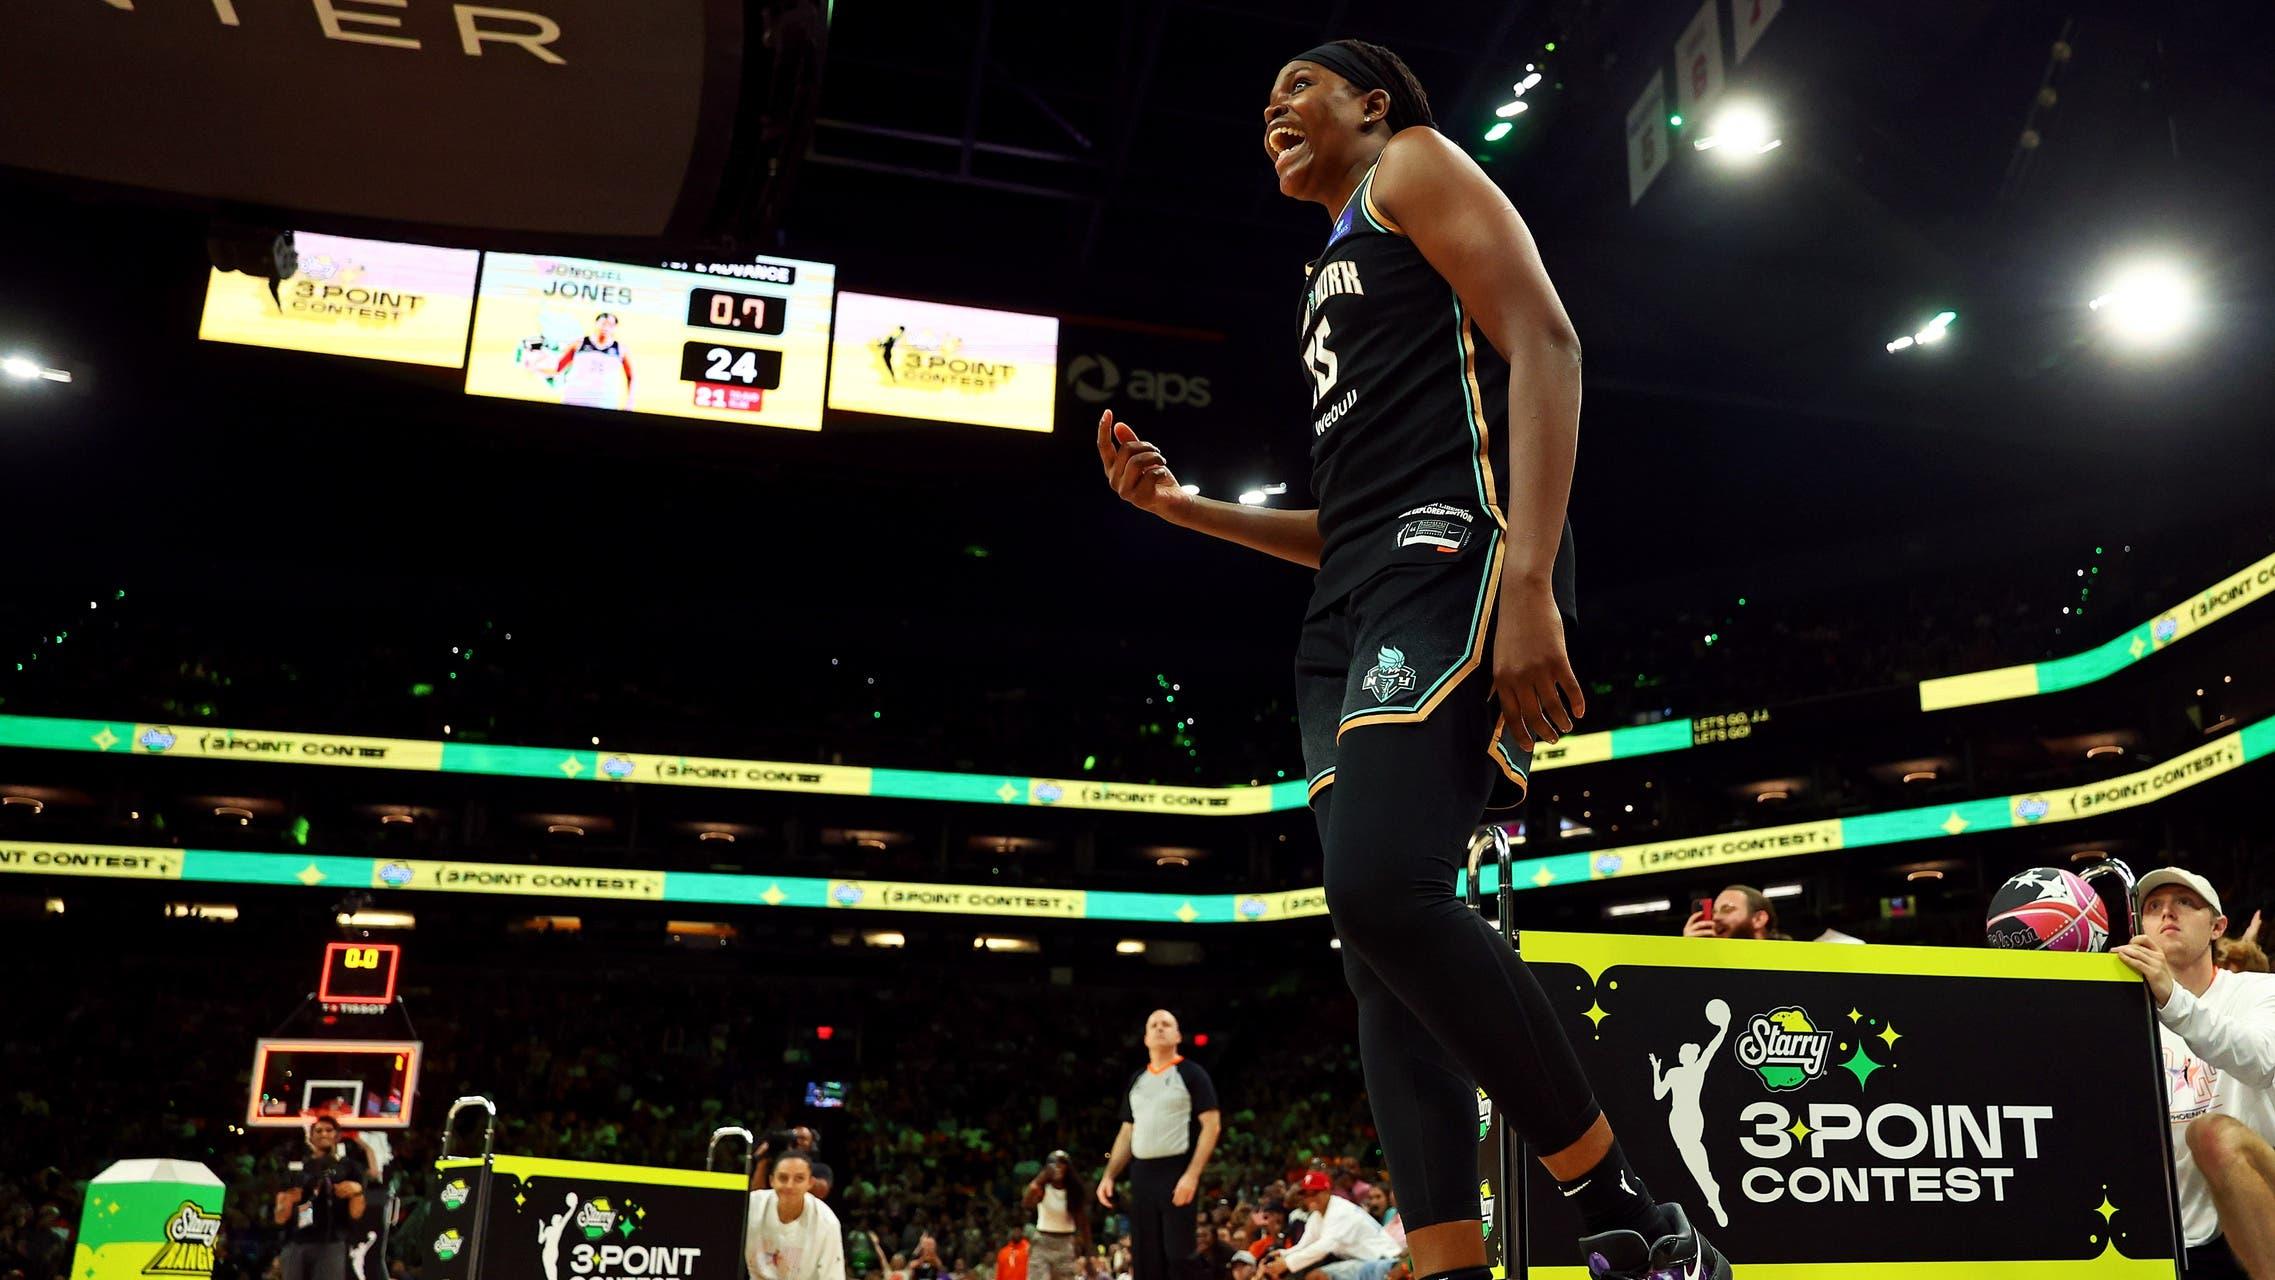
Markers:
point(748, 347)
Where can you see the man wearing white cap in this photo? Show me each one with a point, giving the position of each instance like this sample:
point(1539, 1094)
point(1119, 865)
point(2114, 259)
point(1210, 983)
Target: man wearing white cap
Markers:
point(2219, 1055)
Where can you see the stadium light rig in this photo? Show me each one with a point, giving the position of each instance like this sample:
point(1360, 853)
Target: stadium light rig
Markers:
point(1516, 106)
point(1740, 132)
point(22, 368)
point(2148, 304)
point(1928, 335)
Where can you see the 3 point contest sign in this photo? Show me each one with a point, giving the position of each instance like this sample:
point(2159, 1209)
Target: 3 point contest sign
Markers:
point(1818, 1108)
point(581, 1220)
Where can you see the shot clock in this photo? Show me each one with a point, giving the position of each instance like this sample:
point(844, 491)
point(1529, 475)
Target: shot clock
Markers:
point(708, 344)
point(743, 312)
point(359, 972)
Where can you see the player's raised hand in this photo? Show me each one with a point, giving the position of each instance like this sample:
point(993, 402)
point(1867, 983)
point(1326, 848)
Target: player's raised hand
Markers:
point(1136, 470)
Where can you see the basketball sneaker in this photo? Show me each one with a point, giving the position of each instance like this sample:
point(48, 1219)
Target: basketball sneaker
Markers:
point(1674, 1251)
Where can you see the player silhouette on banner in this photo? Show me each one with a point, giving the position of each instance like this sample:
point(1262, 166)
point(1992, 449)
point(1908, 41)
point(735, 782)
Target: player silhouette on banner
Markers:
point(549, 1235)
point(1686, 1118)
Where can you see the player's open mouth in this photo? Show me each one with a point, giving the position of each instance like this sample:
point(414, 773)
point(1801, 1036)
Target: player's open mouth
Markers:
point(1283, 141)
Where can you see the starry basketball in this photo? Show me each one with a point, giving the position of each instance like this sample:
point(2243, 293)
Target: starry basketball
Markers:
point(2048, 909)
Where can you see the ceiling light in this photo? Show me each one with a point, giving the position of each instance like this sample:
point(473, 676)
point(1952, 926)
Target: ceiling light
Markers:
point(1741, 132)
point(2148, 303)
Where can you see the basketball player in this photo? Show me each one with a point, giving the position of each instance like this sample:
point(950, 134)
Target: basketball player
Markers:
point(1445, 414)
point(599, 373)
point(2218, 1030)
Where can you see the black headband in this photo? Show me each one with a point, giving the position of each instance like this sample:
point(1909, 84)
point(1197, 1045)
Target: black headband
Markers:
point(1343, 62)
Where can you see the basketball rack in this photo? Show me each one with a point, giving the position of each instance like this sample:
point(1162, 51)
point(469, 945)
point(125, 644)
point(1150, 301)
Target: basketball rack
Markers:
point(1507, 1164)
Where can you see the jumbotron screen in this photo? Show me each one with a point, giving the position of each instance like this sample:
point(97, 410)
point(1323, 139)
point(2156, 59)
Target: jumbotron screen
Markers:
point(941, 363)
point(370, 298)
point(751, 347)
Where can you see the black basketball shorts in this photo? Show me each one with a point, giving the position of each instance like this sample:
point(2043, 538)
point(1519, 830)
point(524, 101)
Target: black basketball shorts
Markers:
point(1411, 645)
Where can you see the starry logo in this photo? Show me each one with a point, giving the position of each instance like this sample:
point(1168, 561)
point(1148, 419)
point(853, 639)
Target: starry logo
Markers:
point(1485, 1205)
point(447, 1245)
point(596, 1218)
point(1049, 792)
point(847, 895)
point(1391, 676)
point(397, 874)
point(1608, 864)
point(1484, 1115)
point(157, 738)
point(2165, 629)
point(454, 1195)
point(2032, 808)
point(188, 1251)
point(1252, 908)
point(1784, 1048)
point(617, 767)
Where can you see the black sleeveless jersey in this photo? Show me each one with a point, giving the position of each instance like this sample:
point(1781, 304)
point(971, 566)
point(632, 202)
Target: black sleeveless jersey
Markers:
point(1409, 407)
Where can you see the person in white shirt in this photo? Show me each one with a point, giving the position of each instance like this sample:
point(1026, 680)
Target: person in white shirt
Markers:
point(791, 1234)
point(1062, 1221)
point(1339, 1239)
point(2218, 1030)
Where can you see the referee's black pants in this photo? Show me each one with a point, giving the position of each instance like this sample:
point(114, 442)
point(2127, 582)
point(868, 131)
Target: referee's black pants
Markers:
point(1160, 1232)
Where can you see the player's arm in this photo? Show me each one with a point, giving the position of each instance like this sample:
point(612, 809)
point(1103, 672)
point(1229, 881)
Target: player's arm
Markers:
point(568, 358)
point(626, 361)
point(1136, 470)
point(1469, 231)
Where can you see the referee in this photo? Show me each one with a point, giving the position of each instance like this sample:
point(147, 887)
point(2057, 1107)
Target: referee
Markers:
point(1169, 1128)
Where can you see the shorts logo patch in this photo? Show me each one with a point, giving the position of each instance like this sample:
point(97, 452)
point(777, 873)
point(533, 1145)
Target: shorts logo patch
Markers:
point(1438, 525)
point(1391, 676)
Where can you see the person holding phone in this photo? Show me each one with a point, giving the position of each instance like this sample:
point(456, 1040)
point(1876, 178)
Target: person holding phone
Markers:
point(1740, 911)
point(1062, 1224)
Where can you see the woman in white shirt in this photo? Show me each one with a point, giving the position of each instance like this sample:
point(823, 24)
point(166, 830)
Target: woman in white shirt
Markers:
point(792, 1235)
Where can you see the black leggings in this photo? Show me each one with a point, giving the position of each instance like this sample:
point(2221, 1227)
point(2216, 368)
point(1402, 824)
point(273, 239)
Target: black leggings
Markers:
point(1445, 1006)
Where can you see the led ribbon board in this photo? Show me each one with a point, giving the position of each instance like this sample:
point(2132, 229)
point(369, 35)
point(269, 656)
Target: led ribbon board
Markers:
point(1932, 822)
point(51, 734)
point(2244, 587)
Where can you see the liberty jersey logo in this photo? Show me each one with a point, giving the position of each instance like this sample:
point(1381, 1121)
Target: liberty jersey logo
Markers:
point(1391, 676)
point(1334, 280)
